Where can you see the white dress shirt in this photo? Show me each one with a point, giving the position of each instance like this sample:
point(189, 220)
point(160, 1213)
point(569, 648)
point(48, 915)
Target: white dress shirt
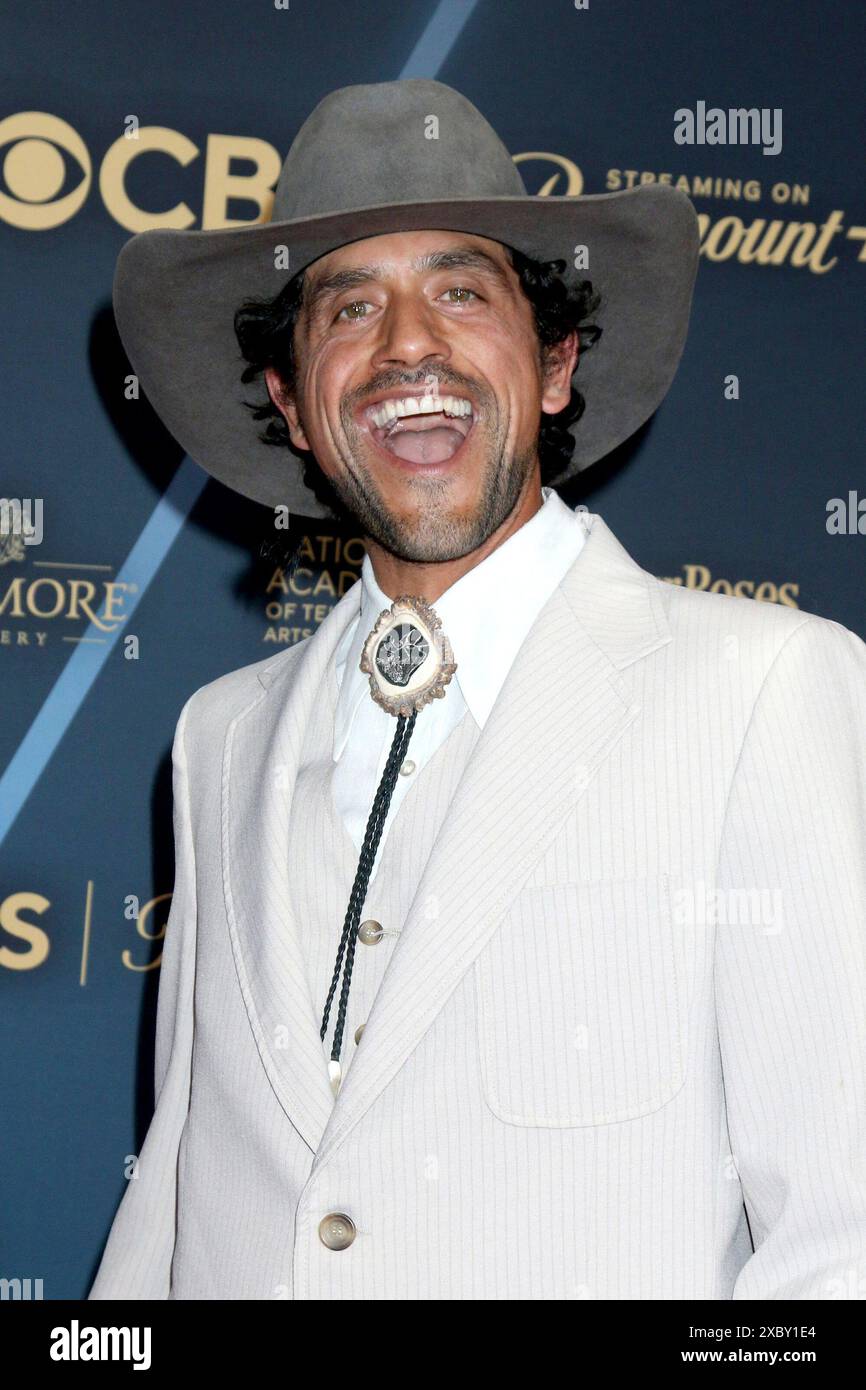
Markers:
point(486, 615)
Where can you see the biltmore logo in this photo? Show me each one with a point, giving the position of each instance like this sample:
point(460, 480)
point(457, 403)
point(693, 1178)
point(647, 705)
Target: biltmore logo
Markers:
point(56, 596)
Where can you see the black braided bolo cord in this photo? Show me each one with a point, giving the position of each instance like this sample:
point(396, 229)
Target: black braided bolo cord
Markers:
point(372, 836)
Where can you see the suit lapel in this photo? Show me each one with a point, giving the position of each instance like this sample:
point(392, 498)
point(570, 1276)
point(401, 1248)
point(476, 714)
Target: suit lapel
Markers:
point(260, 763)
point(561, 711)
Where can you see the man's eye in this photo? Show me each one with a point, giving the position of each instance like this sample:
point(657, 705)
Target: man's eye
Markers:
point(357, 310)
point(461, 293)
point(349, 310)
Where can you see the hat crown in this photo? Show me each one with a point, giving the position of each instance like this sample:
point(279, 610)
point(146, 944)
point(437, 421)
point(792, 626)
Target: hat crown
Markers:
point(415, 140)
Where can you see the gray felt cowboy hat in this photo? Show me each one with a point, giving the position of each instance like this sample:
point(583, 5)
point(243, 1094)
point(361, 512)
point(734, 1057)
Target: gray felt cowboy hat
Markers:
point(360, 167)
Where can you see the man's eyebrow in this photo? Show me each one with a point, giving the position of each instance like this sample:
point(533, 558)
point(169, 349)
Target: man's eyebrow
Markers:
point(462, 258)
point(458, 258)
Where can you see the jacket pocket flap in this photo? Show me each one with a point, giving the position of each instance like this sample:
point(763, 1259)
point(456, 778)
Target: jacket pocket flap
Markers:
point(581, 1020)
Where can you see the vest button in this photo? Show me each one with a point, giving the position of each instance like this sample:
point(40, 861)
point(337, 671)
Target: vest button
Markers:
point(359, 1031)
point(336, 1230)
point(407, 767)
point(370, 933)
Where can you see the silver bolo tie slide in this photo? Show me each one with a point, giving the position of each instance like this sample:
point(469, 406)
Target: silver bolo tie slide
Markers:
point(409, 662)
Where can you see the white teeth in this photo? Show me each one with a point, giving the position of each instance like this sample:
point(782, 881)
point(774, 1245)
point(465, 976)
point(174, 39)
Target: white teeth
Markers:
point(387, 411)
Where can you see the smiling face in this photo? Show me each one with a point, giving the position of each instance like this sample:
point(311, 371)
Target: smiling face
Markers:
point(419, 390)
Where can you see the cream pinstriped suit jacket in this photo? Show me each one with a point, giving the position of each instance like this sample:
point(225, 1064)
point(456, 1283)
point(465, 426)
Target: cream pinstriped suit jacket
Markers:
point(636, 1042)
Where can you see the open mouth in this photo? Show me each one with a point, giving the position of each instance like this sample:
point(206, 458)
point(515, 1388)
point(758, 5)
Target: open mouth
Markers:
point(421, 429)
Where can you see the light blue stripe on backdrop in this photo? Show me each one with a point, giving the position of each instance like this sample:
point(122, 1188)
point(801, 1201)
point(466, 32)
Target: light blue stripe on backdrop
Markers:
point(439, 37)
point(87, 660)
point(165, 522)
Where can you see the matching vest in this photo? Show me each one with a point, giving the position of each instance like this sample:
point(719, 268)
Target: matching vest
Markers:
point(323, 860)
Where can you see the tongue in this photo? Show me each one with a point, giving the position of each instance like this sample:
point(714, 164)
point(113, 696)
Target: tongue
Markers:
point(425, 446)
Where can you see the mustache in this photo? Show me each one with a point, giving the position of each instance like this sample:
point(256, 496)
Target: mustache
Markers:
point(434, 379)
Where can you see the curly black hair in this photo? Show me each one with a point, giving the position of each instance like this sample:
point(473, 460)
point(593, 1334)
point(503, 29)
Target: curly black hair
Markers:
point(265, 329)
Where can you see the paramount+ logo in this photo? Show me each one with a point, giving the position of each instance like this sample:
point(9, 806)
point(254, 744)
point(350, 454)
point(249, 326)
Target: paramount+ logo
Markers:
point(49, 173)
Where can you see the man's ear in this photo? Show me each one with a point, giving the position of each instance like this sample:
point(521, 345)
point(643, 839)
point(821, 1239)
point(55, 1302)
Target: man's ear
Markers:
point(559, 361)
point(284, 400)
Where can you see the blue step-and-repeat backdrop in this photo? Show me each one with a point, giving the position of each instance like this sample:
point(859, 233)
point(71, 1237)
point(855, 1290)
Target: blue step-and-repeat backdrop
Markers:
point(750, 479)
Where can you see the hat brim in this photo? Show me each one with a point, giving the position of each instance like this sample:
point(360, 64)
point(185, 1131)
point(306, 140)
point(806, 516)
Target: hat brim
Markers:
point(176, 293)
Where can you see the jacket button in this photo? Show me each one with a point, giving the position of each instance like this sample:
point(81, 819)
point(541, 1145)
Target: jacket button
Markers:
point(337, 1230)
point(359, 1032)
point(370, 933)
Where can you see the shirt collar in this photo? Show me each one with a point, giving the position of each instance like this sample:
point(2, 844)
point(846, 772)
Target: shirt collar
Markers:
point(486, 614)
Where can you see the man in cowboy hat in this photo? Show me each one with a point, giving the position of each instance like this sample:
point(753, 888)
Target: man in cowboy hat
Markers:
point(591, 1024)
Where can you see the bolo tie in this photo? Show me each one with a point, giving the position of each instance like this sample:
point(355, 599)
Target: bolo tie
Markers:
point(409, 662)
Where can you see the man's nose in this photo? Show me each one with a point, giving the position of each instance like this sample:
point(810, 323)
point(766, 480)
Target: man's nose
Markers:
point(411, 333)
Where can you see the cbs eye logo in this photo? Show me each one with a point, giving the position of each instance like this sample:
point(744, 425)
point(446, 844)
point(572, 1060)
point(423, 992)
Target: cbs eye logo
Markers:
point(34, 170)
